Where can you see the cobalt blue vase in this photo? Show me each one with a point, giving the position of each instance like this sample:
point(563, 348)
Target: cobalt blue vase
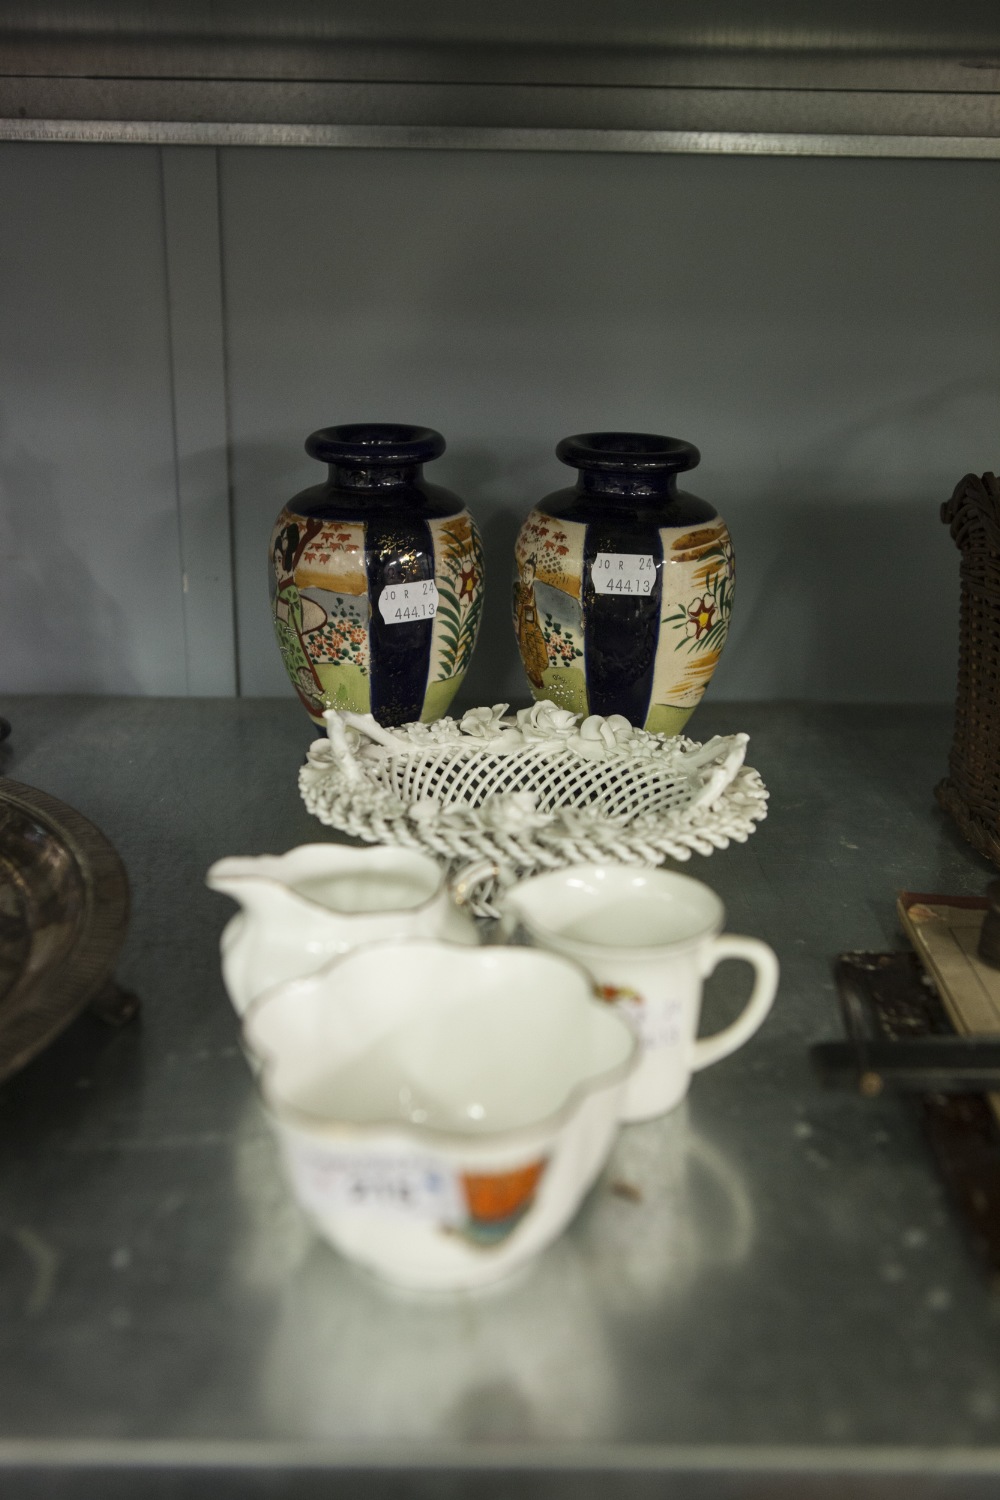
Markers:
point(376, 578)
point(624, 583)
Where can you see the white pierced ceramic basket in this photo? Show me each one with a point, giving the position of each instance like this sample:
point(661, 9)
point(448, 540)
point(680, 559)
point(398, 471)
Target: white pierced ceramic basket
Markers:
point(530, 792)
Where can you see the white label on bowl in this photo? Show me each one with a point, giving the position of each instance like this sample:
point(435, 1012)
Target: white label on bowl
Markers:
point(410, 1187)
point(623, 573)
point(402, 603)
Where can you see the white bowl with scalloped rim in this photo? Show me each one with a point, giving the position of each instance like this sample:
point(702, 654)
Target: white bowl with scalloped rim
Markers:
point(442, 1110)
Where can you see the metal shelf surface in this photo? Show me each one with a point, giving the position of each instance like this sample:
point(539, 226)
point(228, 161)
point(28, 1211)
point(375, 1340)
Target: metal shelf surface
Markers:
point(786, 77)
point(779, 1293)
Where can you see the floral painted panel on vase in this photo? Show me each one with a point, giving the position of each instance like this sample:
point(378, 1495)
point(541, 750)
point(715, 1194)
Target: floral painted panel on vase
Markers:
point(699, 576)
point(623, 585)
point(376, 579)
point(548, 613)
point(460, 569)
point(321, 609)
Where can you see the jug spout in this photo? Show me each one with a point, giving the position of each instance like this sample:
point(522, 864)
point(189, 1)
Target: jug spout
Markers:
point(301, 909)
point(247, 881)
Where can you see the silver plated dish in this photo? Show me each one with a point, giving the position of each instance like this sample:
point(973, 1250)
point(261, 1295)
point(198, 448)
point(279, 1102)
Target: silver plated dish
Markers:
point(64, 906)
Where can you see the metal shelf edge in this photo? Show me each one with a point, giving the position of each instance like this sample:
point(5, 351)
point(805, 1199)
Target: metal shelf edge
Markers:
point(489, 138)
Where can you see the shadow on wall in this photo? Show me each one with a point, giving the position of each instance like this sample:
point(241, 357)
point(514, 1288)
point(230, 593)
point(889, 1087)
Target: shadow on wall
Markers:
point(61, 630)
point(843, 601)
point(847, 588)
point(847, 582)
point(495, 673)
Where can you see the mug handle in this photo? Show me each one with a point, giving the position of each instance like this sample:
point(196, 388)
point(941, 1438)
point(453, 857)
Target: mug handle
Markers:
point(712, 1049)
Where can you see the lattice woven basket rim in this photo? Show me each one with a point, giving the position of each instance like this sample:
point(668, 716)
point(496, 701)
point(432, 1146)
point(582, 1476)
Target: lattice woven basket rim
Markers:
point(531, 791)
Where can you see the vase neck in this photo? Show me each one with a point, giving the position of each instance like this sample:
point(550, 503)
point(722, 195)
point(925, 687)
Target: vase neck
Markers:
point(626, 484)
point(370, 457)
point(375, 477)
point(638, 466)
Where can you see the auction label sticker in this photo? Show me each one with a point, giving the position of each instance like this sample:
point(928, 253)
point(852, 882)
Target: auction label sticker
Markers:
point(629, 573)
point(656, 1024)
point(402, 603)
point(406, 1187)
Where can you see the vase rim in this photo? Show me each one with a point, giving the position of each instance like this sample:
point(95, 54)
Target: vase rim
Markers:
point(370, 444)
point(634, 452)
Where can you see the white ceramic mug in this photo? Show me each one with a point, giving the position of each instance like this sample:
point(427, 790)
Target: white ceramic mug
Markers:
point(648, 938)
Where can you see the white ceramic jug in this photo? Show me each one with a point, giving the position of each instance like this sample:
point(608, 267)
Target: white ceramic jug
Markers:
point(303, 908)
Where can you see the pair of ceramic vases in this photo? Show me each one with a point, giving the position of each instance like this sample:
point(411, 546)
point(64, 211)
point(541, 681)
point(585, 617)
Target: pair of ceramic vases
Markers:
point(623, 584)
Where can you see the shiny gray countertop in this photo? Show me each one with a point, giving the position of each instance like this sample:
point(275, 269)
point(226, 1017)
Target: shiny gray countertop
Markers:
point(780, 1291)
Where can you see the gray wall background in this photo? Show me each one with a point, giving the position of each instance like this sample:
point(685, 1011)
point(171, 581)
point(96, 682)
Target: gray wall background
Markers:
point(175, 322)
